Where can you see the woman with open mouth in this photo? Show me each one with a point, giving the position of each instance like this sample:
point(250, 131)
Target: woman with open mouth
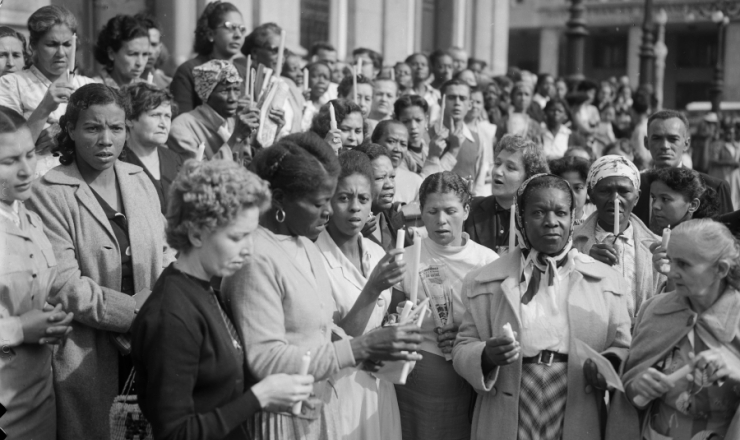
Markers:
point(516, 160)
point(105, 225)
point(436, 402)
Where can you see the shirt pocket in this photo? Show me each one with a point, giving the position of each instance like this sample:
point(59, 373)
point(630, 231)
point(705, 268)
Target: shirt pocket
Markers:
point(48, 253)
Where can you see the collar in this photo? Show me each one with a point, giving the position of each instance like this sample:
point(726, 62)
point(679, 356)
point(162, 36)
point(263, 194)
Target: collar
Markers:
point(11, 212)
point(563, 130)
point(628, 236)
point(467, 133)
point(721, 319)
point(209, 115)
point(70, 174)
point(44, 80)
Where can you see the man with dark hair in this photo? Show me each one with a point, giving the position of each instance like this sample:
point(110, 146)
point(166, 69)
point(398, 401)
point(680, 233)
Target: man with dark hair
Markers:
point(641, 104)
point(372, 62)
point(323, 51)
point(442, 67)
point(668, 138)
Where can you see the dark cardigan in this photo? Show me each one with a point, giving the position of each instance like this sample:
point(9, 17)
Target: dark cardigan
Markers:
point(190, 379)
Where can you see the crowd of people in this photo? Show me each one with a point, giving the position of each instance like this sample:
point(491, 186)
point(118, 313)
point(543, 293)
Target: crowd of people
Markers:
point(258, 245)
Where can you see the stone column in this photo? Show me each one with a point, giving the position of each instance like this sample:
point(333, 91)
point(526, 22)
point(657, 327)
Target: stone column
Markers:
point(399, 30)
point(338, 11)
point(732, 62)
point(633, 55)
point(499, 55)
point(365, 25)
point(178, 18)
point(286, 13)
point(549, 50)
point(577, 33)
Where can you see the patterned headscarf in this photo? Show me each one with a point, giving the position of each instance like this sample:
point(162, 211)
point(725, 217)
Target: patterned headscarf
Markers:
point(612, 165)
point(207, 76)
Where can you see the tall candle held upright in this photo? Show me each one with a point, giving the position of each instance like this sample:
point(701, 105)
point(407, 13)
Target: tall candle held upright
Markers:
point(400, 239)
point(305, 80)
point(666, 237)
point(414, 268)
point(74, 54)
point(305, 362)
point(441, 121)
point(281, 50)
point(248, 78)
point(355, 72)
point(512, 225)
point(616, 217)
point(332, 117)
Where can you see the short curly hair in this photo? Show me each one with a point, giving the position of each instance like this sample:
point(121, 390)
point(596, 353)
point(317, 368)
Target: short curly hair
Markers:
point(344, 88)
point(297, 164)
point(355, 162)
point(82, 99)
point(407, 101)
point(691, 185)
point(118, 30)
point(321, 123)
point(144, 97)
point(210, 195)
point(566, 164)
point(445, 182)
point(211, 18)
point(533, 157)
point(373, 151)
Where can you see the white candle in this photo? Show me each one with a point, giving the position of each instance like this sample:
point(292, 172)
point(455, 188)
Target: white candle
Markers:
point(251, 87)
point(355, 72)
point(359, 66)
point(305, 361)
point(200, 152)
point(400, 239)
point(248, 78)
point(416, 257)
point(281, 49)
point(672, 378)
point(305, 80)
point(150, 78)
point(616, 217)
point(332, 117)
point(441, 121)
point(393, 74)
point(666, 237)
point(512, 225)
point(74, 54)
point(508, 332)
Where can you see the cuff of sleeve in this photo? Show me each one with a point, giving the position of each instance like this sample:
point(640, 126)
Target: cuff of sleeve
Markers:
point(11, 332)
point(119, 311)
point(485, 381)
point(343, 350)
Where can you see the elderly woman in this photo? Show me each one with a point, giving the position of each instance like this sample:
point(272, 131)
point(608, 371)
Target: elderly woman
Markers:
point(282, 298)
point(123, 50)
point(516, 160)
point(436, 402)
point(219, 35)
point(104, 222)
point(214, 126)
point(616, 178)
point(534, 385)
point(683, 369)
point(350, 130)
point(369, 409)
point(148, 128)
point(190, 372)
point(41, 92)
point(14, 55)
point(26, 326)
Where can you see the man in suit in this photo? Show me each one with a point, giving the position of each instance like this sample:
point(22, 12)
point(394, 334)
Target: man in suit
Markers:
point(667, 139)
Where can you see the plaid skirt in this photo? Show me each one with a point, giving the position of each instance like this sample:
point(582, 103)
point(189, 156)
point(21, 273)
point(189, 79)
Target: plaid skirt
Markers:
point(542, 397)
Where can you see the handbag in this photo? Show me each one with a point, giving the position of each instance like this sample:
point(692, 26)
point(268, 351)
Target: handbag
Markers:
point(127, 422)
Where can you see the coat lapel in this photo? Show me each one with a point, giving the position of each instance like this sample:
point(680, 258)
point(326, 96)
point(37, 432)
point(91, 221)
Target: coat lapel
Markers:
point(139, 229)
point(87, 199)
point(335, 259)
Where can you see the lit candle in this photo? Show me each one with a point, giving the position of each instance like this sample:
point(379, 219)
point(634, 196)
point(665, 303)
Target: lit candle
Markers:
point(400, 239)
point(281, 49)
point(512, 225)
point(666, 237)
point(332, 117)
point(441, 121)
point(305, 80)
point(248, 78)
point(616, 217)
point(305, 361)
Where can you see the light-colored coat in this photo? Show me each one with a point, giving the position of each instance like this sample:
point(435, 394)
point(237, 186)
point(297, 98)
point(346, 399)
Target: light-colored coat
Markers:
point(648, 280)
point(88, 282)
point(597, 314)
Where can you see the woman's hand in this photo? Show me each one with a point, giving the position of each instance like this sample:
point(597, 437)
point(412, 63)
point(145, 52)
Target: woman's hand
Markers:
point(46, 327)
point(438, 141)
point(247, 123)
point(387, 273)
point(58, 93)
point(141, 297)
point(245, 103)
point(334, 139)
point(660, 258)
point(604, 252)
point(446, 337)
point(278, 392)
point(594, 379)
point(277, 115)
point(388, 343)
point(500, 351)
point(652, 384)
point(714, 362)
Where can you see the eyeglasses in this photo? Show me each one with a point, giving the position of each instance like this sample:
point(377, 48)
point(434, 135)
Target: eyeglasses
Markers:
point(271, 49)
point(233, 27)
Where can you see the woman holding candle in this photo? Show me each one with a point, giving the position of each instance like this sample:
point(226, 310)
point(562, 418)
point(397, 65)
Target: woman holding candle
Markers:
point(219, 35)
point(696, 326)
point(435, 403)
point(489, 222)
point(123, 49)
point(41, 92)
point(535, 386)
point(612, 234)
point(349, 131)
point(281, 299)
point(190, 373)
point(368, 406)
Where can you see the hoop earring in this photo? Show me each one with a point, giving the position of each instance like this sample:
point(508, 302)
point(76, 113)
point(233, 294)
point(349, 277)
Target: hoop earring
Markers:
point(280, 215)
